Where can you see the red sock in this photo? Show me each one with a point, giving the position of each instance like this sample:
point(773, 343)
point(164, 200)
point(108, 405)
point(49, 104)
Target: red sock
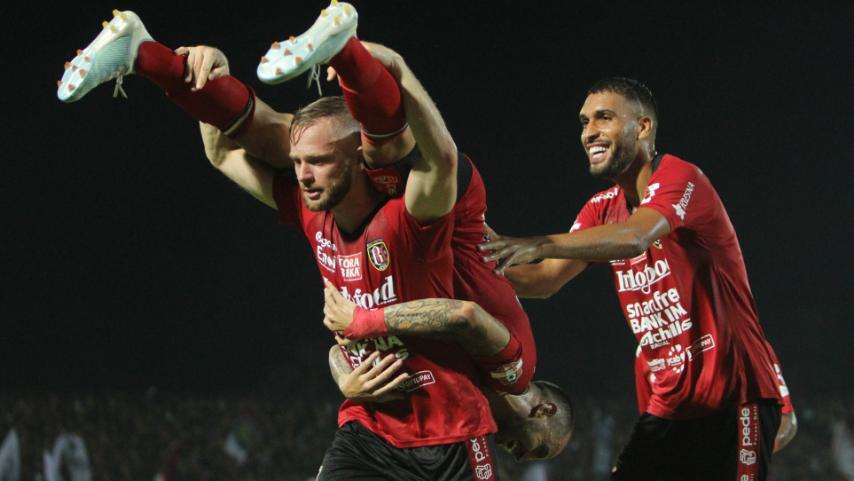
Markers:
point(222, 102)
point(370, 91)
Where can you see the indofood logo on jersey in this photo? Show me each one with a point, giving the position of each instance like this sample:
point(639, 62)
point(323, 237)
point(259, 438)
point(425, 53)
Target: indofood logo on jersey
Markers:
point(379, 255)
point(380, 296)
point(632, 280)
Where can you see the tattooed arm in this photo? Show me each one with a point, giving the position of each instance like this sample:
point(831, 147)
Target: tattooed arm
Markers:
point(369, 381)
point(463, 322)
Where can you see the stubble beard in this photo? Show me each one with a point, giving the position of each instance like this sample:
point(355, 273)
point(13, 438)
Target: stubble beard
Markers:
point(335, 193)
point(619, 162)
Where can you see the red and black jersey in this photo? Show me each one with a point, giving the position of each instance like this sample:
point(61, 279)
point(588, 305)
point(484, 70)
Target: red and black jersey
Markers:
point(392, 259)
point(687, 299)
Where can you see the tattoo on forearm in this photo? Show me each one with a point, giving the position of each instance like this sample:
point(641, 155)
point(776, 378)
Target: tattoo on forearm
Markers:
point(425, 317)
point(444, 319)
point(338, 365)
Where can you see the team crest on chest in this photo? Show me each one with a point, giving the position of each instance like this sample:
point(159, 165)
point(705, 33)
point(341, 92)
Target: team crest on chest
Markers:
point(378, 254)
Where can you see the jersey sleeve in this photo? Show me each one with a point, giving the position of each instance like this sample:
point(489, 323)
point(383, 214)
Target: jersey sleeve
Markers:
point(286, 193)
point(681, 193)
point(587, 217)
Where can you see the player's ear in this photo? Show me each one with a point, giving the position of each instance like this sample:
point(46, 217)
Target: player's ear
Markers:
point(645, 125)
point(543, 410)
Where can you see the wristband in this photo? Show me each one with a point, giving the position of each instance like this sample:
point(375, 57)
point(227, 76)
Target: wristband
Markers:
point(366, 324)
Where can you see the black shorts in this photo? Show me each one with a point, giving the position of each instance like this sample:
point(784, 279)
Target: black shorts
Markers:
point(357, 454)
point(734, 444)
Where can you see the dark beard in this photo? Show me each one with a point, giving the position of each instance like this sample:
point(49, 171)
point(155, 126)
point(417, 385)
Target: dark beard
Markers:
point(617, 166)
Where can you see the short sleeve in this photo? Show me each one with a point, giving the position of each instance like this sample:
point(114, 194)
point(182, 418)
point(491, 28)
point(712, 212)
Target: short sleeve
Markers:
point(679, 192)
point(586, 218)
point(286, 193)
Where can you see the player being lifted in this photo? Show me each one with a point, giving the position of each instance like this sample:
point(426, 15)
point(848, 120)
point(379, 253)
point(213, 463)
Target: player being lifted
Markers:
point(338, 210)
point(708, 382)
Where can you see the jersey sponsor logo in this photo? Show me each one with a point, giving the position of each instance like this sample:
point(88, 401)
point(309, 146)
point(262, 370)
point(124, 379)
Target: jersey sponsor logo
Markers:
point(380, 296)
point(678, 357)
point(656, 365)
point(662, 336)
point(608, 194)
point(703, 344)
point(359, 350)
point(350, 267)
point(418, 380)
point(744, 420)
point(326, 250)
point(631, 262)
point(659, 318)
point(509, 373)
point(379, 255)
point(747, 457)
point(480, 459)
point(643, 280)
point(683, 202)
point(649, 193)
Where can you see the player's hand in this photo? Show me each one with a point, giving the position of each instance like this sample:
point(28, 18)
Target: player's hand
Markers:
point(510, 251)
point(203, 63)
point(391, 60)
point(337, 310)
point(488, 233)
point(371, 382)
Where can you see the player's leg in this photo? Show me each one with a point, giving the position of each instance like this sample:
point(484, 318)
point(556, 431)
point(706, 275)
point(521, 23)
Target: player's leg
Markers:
point(649, 452)
point(125, 47)
point(357, 454)
point(506, 361)
point(371, 92)
point(756, 429)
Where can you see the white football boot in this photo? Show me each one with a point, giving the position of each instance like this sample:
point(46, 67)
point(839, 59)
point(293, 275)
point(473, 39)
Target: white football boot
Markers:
point(110, 56)
point(330, 32)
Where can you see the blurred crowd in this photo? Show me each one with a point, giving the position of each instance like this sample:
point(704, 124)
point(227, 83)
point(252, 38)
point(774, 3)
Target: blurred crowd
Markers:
point(118, 435)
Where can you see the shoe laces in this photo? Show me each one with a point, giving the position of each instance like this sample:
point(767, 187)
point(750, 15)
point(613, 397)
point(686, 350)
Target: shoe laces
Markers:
point(120, 75)
point(314, 76)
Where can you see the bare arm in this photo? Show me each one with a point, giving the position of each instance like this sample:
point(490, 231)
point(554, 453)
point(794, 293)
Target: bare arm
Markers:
point(431, 189)
point(262, 131)
point(601, 243)
point(368, 382)
point(267, 136)
point(338, 365)
point(251, 175)
point(786, 432)
point(543, 280)
point(463, 322)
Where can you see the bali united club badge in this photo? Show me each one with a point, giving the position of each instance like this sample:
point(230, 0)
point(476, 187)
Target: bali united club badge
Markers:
point(378, 254)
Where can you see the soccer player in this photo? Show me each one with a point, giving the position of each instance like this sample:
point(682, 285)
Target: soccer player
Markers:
point(535, 424)
point(709, 393)
point(362, 240)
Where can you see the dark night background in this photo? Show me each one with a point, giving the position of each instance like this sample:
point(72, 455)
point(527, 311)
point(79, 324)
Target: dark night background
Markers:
point(129, 262)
